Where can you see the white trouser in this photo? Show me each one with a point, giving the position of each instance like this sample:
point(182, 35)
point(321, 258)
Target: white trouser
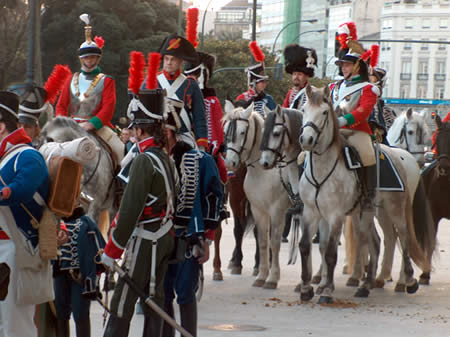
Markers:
point(15, 320)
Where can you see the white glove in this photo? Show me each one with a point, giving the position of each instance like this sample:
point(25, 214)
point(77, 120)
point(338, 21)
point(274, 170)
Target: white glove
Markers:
point(108, 261)
point(202, 148)
point(342, 121)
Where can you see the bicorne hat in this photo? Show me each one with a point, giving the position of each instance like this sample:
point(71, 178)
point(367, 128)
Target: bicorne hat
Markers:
point(178, 46)
point(9, 103)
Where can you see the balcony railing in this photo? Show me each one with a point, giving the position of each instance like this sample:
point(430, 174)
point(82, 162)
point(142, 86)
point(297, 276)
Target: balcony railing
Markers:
point(439, 77)
point(405, 76)
point(422, 77)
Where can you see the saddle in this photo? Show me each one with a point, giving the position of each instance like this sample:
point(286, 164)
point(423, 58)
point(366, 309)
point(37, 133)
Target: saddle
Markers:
point(115, 158)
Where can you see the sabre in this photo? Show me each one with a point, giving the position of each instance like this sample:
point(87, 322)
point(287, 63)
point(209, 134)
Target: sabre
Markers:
point(144, 296)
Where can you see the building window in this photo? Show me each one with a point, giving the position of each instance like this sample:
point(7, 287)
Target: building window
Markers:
point(440, 67)
point(406, 67)
point(439, 92)
point(409, 23)
point(443, 23)
point(424, 46)
point(423, 67)
point(421, 92)
point(404, 91)
point(426, 23)
point(407, 46)
point(442, 46)
point(387, 24)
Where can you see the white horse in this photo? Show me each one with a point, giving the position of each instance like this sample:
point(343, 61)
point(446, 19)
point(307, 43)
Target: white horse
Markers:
point(267, 197)
point(409, 132)
point(331, 192)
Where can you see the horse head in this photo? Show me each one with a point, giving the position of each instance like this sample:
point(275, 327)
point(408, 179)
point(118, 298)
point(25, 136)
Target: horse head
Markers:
point(60, 130)
point(443, 146)
point(319, 120)
point(240, 133)
point(280, 135)
point(409, 132)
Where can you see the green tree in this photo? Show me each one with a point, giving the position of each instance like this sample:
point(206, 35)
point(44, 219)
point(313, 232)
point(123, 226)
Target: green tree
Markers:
point(125, 26)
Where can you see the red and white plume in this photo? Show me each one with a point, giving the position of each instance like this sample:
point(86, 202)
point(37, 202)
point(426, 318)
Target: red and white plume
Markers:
point(136, 71)
point(99, 41)
point(373, 53)
point(346, 32)
point(55, 82)
point(191, 25)
point(258, 54)
point(154, 60)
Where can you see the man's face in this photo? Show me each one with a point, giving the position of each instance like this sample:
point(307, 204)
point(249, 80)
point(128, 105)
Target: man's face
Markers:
point(299, 79)
point(89, 62)
point(31, 130)
point(260, 86)
point(137, 133)
point(373, 79)
point(126, 135)
point(347, 70)
point(171, 64)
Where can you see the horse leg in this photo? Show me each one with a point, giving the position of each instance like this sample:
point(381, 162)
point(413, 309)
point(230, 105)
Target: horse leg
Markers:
point(236, 260)
point(323, 246)
point(350, 246)
point(262, 241)
point(257, 254)
point(217, 264)
point(360, 246)
point(306, 291)
point(330, 255)
point(390, 237)
point(103, 223)
point(276, 229)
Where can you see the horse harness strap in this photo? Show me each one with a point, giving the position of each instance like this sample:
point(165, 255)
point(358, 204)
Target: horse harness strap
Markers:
point(294, 198)
point(403, 135)
point(315, 183)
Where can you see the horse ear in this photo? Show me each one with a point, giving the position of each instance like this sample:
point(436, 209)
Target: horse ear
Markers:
point(409, 113)
point(228, 106)
point(438, 121)
point(308, 91)
point(326, 92)
point(247, 112)
point(278, 109)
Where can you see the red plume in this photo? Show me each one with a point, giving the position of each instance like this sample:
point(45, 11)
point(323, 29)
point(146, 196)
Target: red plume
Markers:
point(257, 52)
point(342, 38)
point(55, 82)
point(352, 28)
point(375, 49)
point(367, 55)
point(346, 31)
point(191, 25)
point(99, 41)
point(154, 60)
point(136, 71)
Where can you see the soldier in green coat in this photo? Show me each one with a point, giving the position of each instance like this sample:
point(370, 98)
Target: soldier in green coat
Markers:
point(144, 219)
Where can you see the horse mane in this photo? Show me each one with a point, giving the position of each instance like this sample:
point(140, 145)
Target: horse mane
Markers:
point(269, 123)
point(295, 120)
point(397, 125)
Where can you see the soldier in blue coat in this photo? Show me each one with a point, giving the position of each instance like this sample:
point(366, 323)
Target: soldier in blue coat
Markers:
point(24, 184)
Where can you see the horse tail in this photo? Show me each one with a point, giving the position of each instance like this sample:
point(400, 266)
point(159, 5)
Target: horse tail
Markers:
point(423, 221)
point(415, 250)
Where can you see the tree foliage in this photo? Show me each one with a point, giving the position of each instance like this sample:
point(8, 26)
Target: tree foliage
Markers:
point(125, 26)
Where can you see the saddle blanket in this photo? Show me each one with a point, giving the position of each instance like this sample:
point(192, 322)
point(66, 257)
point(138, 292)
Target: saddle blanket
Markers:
point(390, 179)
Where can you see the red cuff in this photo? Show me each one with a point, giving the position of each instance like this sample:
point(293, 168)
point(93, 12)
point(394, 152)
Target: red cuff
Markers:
point(202, 142)
point(112, 250)
point(6, 192)
point(210, 234)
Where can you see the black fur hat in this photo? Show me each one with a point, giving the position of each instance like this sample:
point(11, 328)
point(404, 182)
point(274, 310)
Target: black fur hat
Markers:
point(301, 59)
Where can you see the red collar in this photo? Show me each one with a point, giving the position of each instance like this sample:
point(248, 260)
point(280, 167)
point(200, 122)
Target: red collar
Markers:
point(18, 136)
point(145, 144)
point(172, 77)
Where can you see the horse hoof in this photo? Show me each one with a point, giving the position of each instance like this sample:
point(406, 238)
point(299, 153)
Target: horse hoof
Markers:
point(270, 285)
point(325, 300)
point(259, 283)
point(379, 284)
point(308, 295)
point(399, 288)
point(230, 264)
point(235, 270)
point(217, 276)
point(316, 279)
point(255, 271)
point(424, 280)
point(298, 288)
point(352, 282)
point(412, 288)
point(345, 270)
point(362, 292)
point(319, 290)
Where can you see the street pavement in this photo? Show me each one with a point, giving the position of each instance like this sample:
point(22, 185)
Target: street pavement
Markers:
point(233, 303)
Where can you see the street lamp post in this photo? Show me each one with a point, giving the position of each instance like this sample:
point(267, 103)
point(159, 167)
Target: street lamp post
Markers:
point(286, 26)
point(309, 31)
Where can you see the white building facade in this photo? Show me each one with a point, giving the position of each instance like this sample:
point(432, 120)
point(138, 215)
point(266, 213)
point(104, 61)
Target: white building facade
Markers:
point(271, 24)
point(416, 70)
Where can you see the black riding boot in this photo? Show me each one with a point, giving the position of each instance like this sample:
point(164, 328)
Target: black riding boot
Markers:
point(188, 315)
point(287, 227)
point(152, 325)
point(168, 331)
point(62, 328)
point(370, 181)
point(117, 327)
point(83, 328)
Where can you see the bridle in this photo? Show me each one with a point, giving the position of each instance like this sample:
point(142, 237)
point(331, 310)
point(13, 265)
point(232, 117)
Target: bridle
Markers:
point(403, 138)
point(318, 131)
point(231, 135)
point(279, 157)
point(441, 156)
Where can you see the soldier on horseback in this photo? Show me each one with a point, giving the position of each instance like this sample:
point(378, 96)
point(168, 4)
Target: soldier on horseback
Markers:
point(300, 63)
point(257, 82)
point(354, 99)
point(144, 221)
point(89, 97)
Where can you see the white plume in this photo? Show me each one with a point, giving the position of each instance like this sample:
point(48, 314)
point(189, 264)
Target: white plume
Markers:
point(85, 18)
